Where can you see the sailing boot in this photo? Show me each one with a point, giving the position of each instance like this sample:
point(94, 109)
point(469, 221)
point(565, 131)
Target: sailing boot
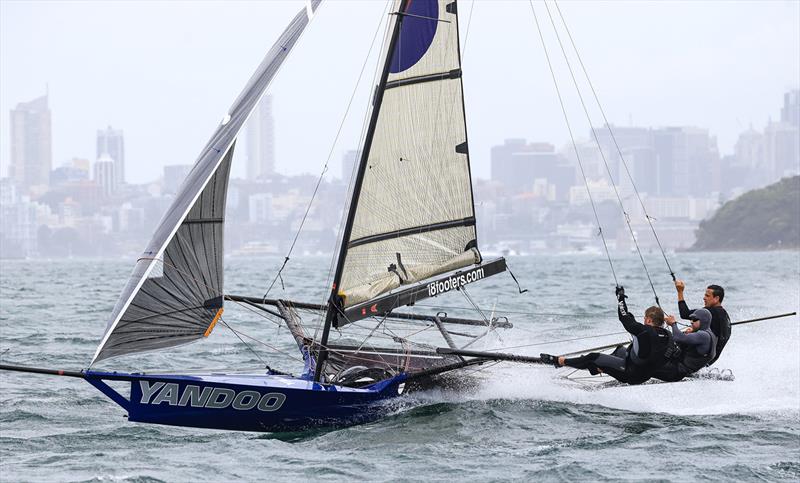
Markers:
point(548, 359)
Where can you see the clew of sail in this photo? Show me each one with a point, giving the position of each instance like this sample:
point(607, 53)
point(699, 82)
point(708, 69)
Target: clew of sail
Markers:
point(414, 216)
point(175, 293)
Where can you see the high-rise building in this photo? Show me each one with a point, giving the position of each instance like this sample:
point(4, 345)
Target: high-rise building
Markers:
point(517, 164)
point(31, 145)
point(174, 175)
point(18, 223)
point(782, 149)
point(104, 174)
point(628, 140)
point(261, 141)
point(790, 112)
point(111, 142)
point(688, 161)
point(349, 161)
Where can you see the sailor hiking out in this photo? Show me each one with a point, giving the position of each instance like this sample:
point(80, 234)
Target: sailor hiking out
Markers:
point(697, 347)
point(652, 346)
point(720, 321)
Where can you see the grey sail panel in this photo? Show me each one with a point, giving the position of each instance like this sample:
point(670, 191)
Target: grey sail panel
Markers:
point(181, 297)
point(180, 241)
point(414, 215)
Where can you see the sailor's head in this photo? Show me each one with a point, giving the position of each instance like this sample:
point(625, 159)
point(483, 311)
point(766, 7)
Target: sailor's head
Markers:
point(654, 316)
point(713, 296)
point(701, 319)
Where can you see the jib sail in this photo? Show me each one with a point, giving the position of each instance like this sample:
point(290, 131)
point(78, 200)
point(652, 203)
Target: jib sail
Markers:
point(174, 294)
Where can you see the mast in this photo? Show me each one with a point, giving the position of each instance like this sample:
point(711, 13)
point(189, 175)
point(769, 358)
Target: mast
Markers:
point(348, 227)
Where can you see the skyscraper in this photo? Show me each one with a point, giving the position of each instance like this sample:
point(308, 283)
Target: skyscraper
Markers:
point(104, 174)
point(174, 176)
point(790, 112)
point(261, 141)
point(31, 144)
point(349, 161)
point(517, 164)
point(110, 142)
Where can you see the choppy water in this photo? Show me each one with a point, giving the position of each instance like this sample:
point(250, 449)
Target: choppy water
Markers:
point(520, 423)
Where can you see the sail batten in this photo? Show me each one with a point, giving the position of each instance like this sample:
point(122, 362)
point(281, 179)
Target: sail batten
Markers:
point(182, 267)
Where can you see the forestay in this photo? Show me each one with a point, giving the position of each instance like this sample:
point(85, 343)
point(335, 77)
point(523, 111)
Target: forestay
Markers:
point(174, 295)
point(414, 215)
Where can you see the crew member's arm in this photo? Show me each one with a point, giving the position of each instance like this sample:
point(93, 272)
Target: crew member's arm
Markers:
point(692, 338)
point(684, 309)
point(627, 319)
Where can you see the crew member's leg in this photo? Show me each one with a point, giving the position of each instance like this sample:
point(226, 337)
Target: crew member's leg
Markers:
point(670, 372)
point(595, 361)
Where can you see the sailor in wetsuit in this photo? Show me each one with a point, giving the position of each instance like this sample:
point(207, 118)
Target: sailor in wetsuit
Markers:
point(633, 364)
point(720, 322)
point(698, 347)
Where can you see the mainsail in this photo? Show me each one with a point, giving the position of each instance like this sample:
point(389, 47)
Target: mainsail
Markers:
point(174, 294)
point(412, 208)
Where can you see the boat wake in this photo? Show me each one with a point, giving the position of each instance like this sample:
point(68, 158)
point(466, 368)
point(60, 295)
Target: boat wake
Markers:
point(763, 358)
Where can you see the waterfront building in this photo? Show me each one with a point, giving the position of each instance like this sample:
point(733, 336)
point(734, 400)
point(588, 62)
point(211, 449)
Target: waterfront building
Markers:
point(111, 141)
point(105, 176)
point(261, 141)
point(174, 175)
point(31, 145)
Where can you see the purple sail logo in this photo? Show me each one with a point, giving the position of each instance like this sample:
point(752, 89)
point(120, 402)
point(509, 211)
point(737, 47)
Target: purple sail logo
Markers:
point(416, 34)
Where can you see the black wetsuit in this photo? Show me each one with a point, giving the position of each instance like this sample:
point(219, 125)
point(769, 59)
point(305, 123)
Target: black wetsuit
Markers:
point(636, 363)
point(697, 349)
point(720, 325)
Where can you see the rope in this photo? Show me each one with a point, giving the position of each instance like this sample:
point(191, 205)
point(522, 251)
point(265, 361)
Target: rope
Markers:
point(521, 290)
point(614, 138)
point(466, 34)
point(362, 136)
point(243, 342)
point(238, 334)
point(519, 312)
point(324, 168)
point(574, 145)
point(602, 155)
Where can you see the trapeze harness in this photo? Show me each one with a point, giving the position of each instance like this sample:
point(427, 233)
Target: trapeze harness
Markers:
point(690, 359)
point(634, 364)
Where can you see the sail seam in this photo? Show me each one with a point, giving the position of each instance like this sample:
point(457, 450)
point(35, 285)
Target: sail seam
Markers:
point(469, 221)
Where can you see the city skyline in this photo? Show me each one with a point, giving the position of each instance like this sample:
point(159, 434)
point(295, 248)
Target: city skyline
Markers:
point(161, 132)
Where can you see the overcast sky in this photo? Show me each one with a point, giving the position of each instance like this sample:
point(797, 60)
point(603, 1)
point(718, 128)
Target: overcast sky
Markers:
point(166, 72)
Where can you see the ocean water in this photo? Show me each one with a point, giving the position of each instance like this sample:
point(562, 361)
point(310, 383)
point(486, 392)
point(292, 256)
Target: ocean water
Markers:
point(517, 423)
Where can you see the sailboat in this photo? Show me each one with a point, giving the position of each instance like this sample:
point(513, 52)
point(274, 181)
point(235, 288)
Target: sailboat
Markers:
point(409, 234)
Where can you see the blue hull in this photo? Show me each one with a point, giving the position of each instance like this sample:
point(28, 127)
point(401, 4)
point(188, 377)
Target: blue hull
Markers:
point(254, 402)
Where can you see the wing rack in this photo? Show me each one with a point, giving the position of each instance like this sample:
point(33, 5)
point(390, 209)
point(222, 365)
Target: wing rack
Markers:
point(415, 293)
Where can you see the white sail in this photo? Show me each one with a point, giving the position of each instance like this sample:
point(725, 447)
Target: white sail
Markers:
point(414, 213)
point(174, 294)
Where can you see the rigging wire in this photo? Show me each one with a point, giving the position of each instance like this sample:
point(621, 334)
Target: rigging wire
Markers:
point(574, 144)
point(236, 333)
point(602, 155)
point(614, 138)
point(239, 334)
point(518, 312)
point(364, 127)
point(324, 168)
point(466, 33)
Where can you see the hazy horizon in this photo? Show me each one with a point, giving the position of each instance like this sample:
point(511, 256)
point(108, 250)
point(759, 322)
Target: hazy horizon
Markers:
point(165, 73)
